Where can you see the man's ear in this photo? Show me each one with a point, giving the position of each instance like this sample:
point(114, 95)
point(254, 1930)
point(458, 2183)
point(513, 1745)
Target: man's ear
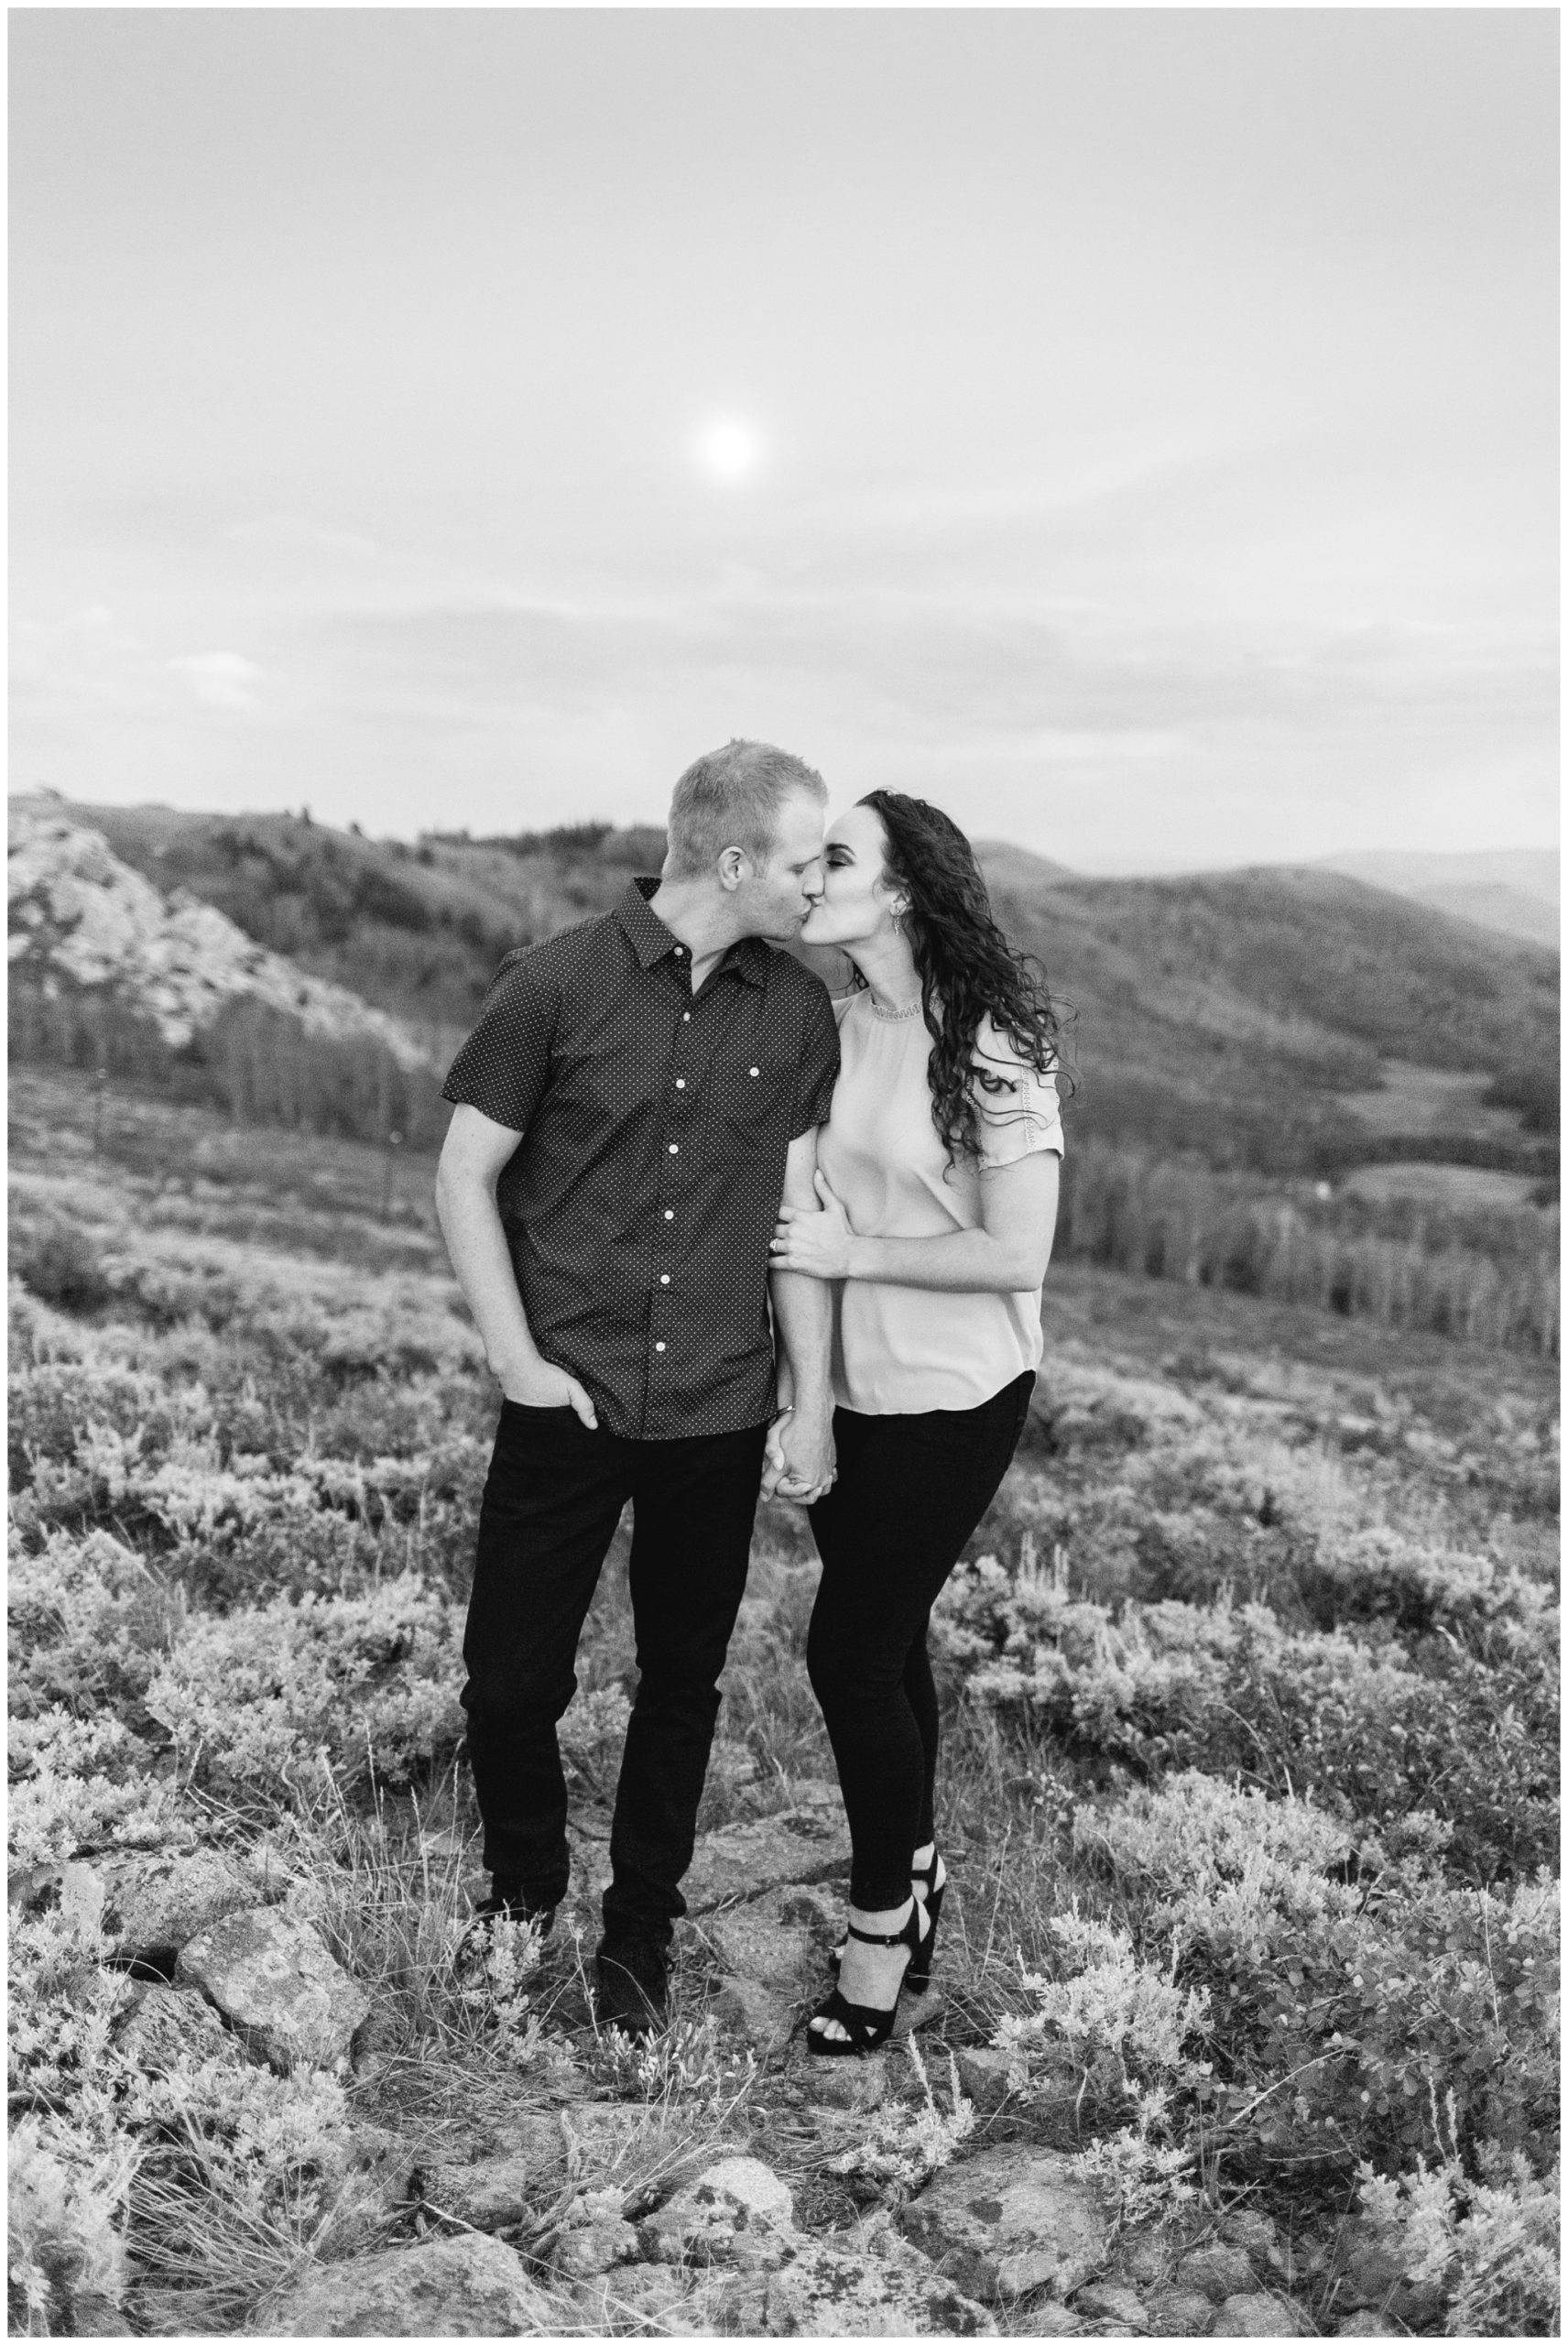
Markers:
point(733, 865)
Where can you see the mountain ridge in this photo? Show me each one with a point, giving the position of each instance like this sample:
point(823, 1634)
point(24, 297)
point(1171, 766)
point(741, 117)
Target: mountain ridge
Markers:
point(1232, 1013)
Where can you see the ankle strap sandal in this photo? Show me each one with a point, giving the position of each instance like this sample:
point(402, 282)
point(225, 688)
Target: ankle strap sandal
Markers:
point(865, 2028)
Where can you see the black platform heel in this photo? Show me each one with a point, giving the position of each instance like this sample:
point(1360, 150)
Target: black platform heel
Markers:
point(916, 1978)
point(865, 2029)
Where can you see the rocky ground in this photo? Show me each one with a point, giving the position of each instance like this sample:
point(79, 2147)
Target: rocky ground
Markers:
point(518, 2215)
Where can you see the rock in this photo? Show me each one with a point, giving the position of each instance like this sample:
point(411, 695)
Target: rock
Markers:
point(818, 2290)
point(1254, 2316)
point(1123, 2306)
point(781, 1939)
point(592, 2248)
point(658, 2299)
point(1010, 2220)
point(760, 2016)
point(1368, 2324)
point(503, 2184)
point(1180, 2312)
point(802, 1846)
point(471, 2287)
point(385, 2165)
point(1145, 2261)
point(154, 1904)
point(1217, 2272)
point(846, 2084)
point(983, 2075)
point(1255, 2234)
point(167, 2026)
point(738, 2210)
point(277, 1987)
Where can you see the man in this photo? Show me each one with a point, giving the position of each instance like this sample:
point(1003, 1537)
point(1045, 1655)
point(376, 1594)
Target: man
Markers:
point(639, 1096)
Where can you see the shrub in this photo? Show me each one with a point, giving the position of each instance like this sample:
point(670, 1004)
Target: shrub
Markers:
point(1490, 2245)
point(367, 1684)
point(66, 2256)
point(60, 1265)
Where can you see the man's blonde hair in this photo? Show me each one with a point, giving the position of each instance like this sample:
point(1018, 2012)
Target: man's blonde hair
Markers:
point(731, 797)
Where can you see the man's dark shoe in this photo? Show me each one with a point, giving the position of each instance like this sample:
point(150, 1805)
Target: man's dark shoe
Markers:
point(634, 1989)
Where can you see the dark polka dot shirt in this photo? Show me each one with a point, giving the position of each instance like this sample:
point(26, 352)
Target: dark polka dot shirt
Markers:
point(646, 1185)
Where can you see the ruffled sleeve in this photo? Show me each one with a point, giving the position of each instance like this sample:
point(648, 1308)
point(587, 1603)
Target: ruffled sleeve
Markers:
point(1020, 1120)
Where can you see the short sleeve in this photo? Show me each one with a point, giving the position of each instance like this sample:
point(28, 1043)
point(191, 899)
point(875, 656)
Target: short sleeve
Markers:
point(1023, 1121)
point(503, 1066)
point(819, 1064)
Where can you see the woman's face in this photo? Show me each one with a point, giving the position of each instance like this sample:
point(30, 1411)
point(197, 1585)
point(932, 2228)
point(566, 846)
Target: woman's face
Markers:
point(856, 892)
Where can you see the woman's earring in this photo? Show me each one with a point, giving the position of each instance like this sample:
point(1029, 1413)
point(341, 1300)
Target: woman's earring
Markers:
point(896, 915)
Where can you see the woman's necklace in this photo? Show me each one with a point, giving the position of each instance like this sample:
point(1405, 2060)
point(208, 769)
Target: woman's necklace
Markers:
point(894, 1016)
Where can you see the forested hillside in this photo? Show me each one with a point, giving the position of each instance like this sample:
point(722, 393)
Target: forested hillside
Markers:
point(1235, 1015)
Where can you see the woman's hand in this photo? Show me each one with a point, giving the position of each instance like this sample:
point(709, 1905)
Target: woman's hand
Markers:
point(813, 1244)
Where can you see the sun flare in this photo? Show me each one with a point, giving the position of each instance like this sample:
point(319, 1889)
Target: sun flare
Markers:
point(729, 449)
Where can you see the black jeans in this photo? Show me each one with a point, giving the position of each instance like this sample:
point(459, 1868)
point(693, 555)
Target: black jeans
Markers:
point(910, 1492)
point(552, 1503)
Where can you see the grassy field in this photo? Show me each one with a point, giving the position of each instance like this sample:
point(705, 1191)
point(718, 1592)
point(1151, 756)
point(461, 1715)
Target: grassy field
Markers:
point(1249, 1795)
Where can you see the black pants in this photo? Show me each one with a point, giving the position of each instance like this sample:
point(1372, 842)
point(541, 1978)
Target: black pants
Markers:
point(552, 1503)
point(910, 1492)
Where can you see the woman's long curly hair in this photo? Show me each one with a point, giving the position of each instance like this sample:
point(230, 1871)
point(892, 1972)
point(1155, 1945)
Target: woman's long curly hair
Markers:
point(967, 968)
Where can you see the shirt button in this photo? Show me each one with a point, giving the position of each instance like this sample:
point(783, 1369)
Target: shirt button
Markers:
point(685, 1017)
point(664, 1278)
point(681, 1082)
point(675, 1148)
point(755, 1069)
point(658, 1347)
point(668, 1213)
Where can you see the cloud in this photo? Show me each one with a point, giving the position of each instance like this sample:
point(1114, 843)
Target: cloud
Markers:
point(221, 679)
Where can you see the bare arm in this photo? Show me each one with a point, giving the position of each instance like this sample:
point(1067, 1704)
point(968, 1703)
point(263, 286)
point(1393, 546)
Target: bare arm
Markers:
point(471, 1159)
point(801, 1455)
point(1007, 1254)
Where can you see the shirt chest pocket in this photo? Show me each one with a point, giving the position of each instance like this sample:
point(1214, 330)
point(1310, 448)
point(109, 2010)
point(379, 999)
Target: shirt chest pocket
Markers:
point(752, 1090)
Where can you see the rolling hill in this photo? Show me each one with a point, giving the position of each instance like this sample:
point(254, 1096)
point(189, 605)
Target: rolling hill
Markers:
point(1515, 891)
point(1244, 1015)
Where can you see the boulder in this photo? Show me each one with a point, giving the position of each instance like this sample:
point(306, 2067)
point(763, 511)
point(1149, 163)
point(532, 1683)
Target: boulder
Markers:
point(983, 2073)
point(1180, 2312)
point(167, 2026)
point(1123, 2307)
point(760, 2016)
point(780, 1940)
point(277, 1987)
point(471, 2287)
point(852, 2084)
point(655, 2297)
point(822, 2290)
point(590, 2249)
point(1217, 2272)
point(1368, 2324)
point(504, 2183)
point(1011, 2220)
point(154, 1904)
point(1256, 2315)
point(802, 1846)
point(735, 2212)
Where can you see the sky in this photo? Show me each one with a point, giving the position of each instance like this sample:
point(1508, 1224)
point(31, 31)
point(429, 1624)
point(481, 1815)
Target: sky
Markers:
point(1134, 429)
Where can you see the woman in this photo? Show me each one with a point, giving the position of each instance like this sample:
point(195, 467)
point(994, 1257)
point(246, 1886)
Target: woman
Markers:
point(937, 1179)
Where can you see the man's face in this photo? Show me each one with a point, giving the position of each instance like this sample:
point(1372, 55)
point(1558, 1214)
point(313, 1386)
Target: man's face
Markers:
point(777, 897)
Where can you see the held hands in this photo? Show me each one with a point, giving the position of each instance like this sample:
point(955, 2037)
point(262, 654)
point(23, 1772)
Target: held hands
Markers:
point(813, 1244)
point(537, 1384)
point(799, 1462)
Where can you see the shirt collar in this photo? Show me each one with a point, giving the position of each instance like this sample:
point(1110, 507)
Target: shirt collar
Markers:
point(650, 940)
